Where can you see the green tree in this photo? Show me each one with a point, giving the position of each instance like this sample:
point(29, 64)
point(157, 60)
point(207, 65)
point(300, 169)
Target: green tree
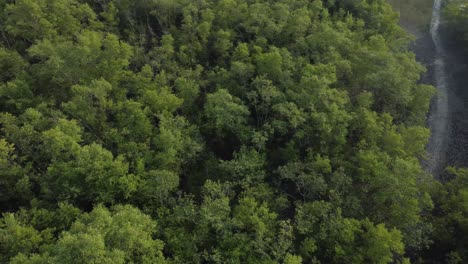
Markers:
point(91, 175)
point(16, 238)
point(450, 218)
point(226, 113)
point(120, 235)
point(328, 236)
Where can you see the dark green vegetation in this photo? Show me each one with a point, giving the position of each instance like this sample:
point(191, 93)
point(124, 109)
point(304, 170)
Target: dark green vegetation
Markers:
point(230, 131)
point(456, 15)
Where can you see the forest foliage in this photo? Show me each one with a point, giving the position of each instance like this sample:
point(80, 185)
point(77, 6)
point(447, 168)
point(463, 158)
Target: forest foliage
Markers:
point(456, 16)
point(230, 131)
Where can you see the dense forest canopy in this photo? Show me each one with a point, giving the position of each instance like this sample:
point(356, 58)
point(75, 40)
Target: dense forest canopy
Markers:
point(227, 131)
